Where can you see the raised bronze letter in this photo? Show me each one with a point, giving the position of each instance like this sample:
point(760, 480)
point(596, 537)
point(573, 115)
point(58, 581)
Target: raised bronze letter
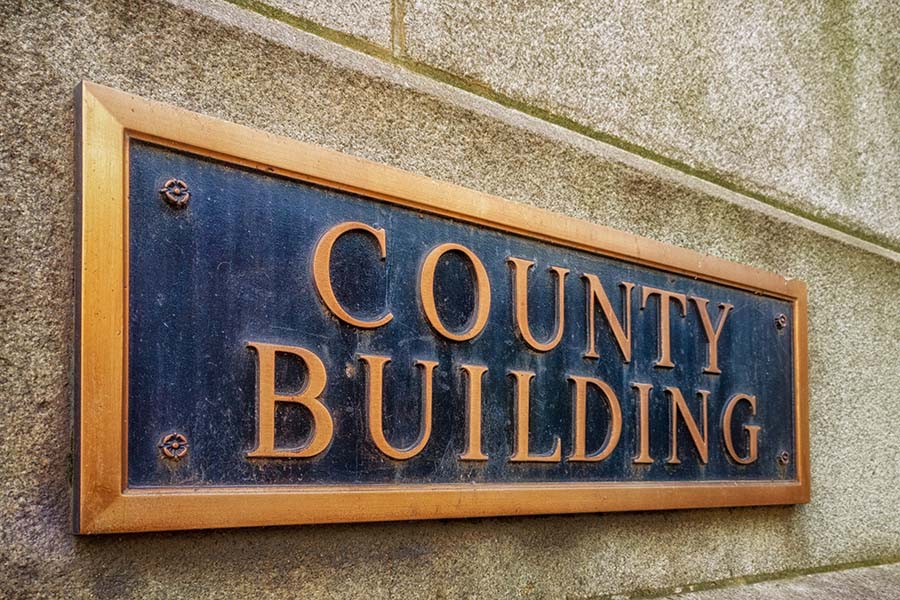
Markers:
point(322, 271)
point(474, 375)
point(482, 295)
point(520, 300)
point(596, 293)
point(615, 422)
point(523, 401)
point(712, 335)
point(643, 457)
point(323, 425)
point(752, 430)
point(375, 366)
point(665, 358)
point(700, 441)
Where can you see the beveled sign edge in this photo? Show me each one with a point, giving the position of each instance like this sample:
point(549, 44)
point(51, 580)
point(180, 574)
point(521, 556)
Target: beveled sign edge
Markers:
point(107, 118)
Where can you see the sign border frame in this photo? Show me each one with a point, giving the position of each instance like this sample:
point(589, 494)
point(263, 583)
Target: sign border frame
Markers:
point(106, 119)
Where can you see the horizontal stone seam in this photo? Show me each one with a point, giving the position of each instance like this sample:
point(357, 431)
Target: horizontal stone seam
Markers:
point(732, 582)
point(430, 80)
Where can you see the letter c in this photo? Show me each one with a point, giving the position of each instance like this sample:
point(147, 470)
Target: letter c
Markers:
point(322, 271)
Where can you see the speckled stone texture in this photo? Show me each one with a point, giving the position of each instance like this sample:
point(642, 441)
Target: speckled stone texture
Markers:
point(367, 19)
point(224, 71)
point(799, 101)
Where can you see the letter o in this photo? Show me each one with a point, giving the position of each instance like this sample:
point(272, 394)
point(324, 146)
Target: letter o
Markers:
point(482, 292)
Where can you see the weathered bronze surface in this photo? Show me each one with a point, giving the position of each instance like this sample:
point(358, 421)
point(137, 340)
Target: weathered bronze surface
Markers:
point(342, 341)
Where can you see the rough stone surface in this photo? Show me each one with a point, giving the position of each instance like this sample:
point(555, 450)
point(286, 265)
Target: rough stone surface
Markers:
point(48, 47)
point(367, 19)
point(800, 102)
point(872, 583)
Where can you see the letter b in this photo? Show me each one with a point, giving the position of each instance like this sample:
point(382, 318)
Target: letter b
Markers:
point(323, 424)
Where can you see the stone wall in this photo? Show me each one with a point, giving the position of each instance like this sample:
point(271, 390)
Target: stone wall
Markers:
point(761, 136)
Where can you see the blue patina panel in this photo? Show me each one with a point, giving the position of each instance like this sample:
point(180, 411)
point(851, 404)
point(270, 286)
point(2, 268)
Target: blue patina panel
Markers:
point(234, 266)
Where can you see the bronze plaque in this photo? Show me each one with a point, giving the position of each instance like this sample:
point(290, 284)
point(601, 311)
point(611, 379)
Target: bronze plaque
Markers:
point(275, 333)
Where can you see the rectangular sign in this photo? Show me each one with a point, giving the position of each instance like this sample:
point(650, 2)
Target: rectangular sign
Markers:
point(274, 333)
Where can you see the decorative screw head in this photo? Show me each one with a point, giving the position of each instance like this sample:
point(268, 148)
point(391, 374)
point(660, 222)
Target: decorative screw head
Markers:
point(176, 193)
point(174, 446)
point(781, 321)
point(784, 458)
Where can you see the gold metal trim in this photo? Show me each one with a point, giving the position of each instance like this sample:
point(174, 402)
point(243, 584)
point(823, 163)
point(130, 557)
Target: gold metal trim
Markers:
point(109, 118)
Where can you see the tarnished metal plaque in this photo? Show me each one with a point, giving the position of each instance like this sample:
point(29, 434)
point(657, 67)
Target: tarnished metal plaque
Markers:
point(274, 333)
